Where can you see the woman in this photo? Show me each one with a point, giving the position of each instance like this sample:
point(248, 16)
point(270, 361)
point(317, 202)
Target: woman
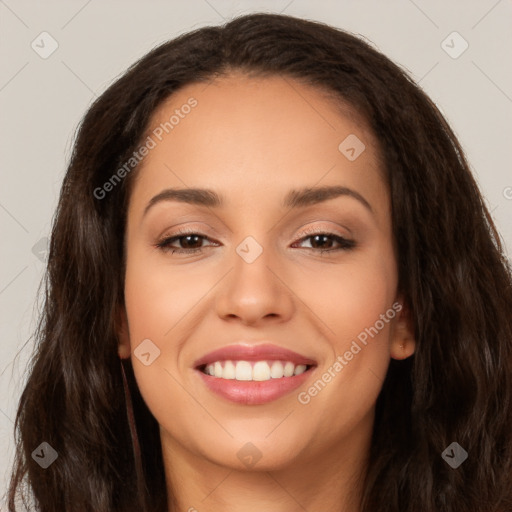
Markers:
point(269, 238)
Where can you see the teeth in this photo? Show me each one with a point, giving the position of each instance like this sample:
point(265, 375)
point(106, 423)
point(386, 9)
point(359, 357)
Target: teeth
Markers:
point(261, 371)
point(301, 368)
point(256, 371)
point(288, 369)
point(243, 370)
point(277, 370)
point(229, 370)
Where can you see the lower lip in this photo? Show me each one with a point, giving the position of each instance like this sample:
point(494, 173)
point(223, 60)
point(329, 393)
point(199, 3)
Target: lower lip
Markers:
point(254, 392)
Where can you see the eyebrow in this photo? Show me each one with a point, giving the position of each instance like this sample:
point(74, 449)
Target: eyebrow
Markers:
point(297, 198)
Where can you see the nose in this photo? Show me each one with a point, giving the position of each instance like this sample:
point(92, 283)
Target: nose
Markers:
point(256, 291)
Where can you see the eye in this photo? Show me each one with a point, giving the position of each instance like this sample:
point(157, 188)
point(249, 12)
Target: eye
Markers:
point(323, 242)
point(191, 242)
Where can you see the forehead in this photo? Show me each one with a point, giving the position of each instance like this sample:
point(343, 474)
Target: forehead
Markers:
point(258, 136)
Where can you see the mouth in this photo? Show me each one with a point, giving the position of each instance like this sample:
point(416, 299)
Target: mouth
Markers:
point(253, 375)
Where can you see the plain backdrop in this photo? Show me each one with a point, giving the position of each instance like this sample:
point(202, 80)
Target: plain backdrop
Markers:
point(43, 98)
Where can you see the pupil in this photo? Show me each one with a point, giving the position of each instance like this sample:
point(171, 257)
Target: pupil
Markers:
point(186, 238)
point(316, 237)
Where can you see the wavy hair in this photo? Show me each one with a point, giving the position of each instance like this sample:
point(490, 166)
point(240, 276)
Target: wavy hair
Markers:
point(453, 273)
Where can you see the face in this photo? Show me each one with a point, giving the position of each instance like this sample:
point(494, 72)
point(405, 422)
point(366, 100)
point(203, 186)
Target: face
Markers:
point(264, 269)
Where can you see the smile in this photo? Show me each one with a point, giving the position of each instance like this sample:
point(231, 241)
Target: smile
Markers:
point(253, 374)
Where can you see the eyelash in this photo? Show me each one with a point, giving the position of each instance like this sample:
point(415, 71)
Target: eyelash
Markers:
point(164, 244)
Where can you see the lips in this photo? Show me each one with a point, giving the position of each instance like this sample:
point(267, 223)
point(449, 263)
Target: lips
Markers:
point(254, 392)
point(253, 353)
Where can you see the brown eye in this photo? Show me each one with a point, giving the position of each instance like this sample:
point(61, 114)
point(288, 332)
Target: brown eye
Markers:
point(187, 243)
point(323, 242)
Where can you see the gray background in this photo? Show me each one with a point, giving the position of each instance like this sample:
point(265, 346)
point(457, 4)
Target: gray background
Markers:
point(43, 100)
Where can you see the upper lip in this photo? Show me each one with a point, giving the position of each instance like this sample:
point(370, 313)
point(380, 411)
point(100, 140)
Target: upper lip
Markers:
point(262, 352)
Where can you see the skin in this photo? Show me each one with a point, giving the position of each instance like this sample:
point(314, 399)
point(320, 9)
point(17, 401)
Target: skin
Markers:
point(252, 140)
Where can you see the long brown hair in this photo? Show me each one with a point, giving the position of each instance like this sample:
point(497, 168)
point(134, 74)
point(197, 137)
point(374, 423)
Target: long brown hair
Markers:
point(452, 272)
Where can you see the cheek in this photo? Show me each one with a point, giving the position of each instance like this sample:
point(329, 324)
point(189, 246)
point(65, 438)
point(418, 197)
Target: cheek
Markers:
point(158, 304)
point(159, 297)
point(349, 297)
point(354, 302)
point(164, 304)
point(154, 303)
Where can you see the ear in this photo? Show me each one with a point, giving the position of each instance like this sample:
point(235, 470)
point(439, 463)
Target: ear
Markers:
point(123, 334)
point(402, 343)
